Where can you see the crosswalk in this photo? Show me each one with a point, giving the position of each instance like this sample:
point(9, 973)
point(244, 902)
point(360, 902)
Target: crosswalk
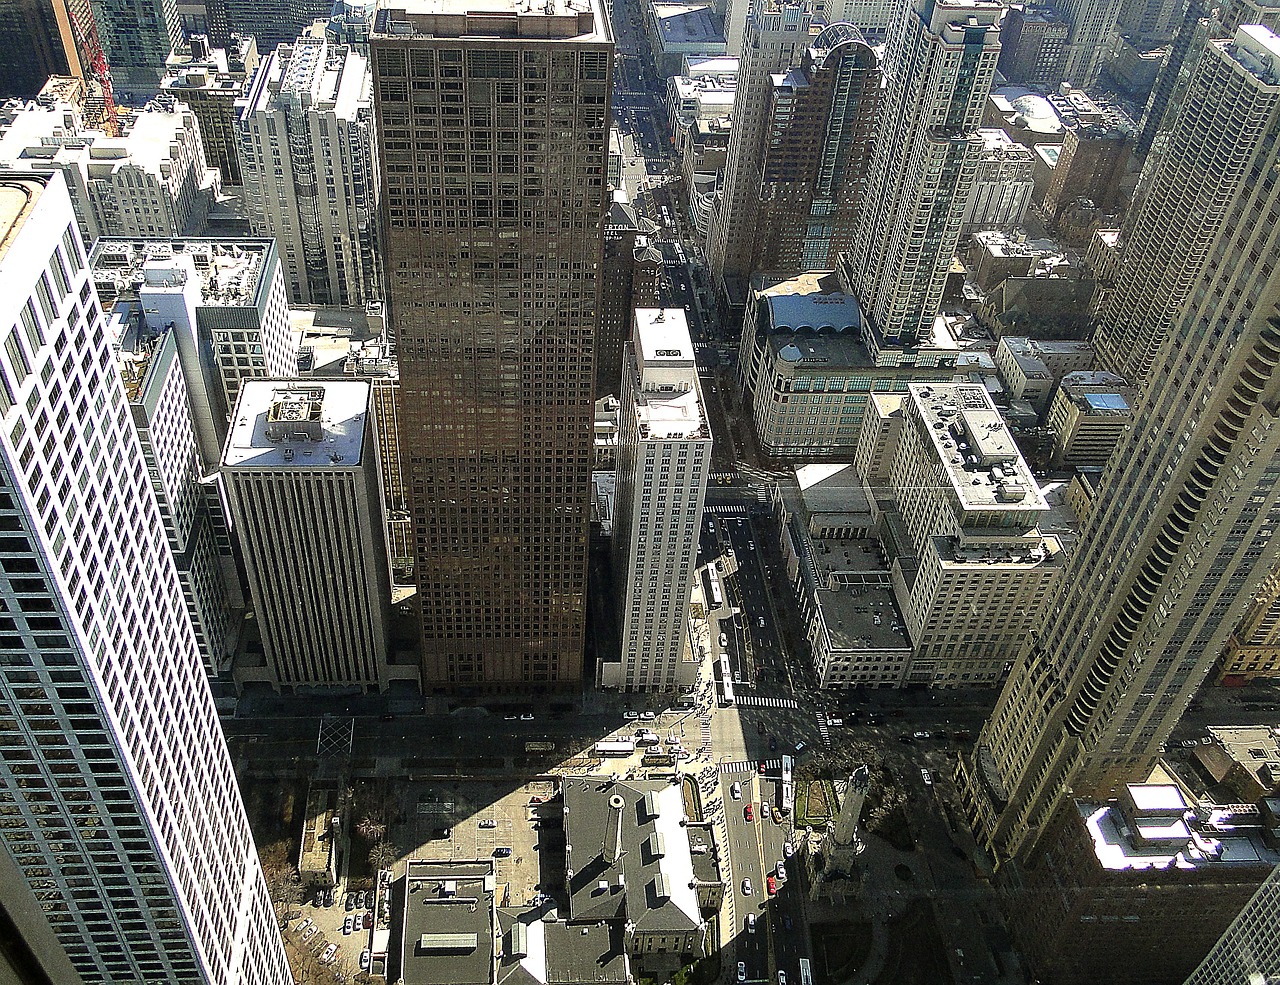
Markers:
point(751, 701)
point(726, 510)
point(750, 765)
point(704, 732)
point(823, 731)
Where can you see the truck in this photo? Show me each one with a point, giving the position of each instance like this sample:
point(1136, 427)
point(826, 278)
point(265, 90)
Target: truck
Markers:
point(615, 747)
point(539, 747)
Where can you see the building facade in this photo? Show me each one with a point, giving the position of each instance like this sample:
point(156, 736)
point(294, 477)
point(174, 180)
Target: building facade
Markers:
point(306, 141)
point(1227, 119)
point(304, 490)
point(664, 455)
point(1089, 414)
point(1253, 648)
point(1032, 45)
point(974, 571)
point(776, 34)
point(1178, 543)
point(115, 763)
point(1001, 191)
point(137, 38)
point(820, 123)
point(493, 291)
point(152, 180)
point(1248, 950)
point(210, 81)
point(629, 277)
point(939, 64)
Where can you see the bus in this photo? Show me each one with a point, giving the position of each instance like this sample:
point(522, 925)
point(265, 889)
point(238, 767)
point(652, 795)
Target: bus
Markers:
point(806, 976)
point(616, 747)
point(717, 599)
point(657, 759)
point(539, 747)
point(726, 682)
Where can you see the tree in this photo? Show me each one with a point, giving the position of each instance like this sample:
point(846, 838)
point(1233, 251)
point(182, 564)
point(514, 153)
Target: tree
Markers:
point(383, 854)
point(372, 828)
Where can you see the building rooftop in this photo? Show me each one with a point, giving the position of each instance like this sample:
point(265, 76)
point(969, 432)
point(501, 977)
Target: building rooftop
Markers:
point(18, 197)
point(516, 20)
point(972, 442)
point(1253, 748)
point(298, 424)
point(862, 617)
point(627, 854)
point(668, 399)
point(710, 66)
point(232, 270)
point(313, 73)
point(1152, 826)
point(539, 948)
point(812, 301)
point(1098, 393)
point(831, 489)
point(447, 932)
point(689, 23)
point(1048, 111)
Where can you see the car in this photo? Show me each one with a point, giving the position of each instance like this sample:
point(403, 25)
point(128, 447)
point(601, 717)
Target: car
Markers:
point(724, 640)
point(526, 717)
point(302, 927)
point(329, 954)
point(443, 833)
point(388, 716)
point(630, 716)
point(348, 925)
point(502, 852)
point(835, 722)
point(801, 747)
point(922, 734)
point(771, 884)
point(786, 921)
point(511, 718)
point(735, 791)
point(782, 872)
point(748, 813)
point(746, 887)
point(773, 744)
point(926, 776)
point(1189, 743)
point(760, 622)
point(905, 739)
point(788, 849)
point(365, 958)
point(742, 971)
point(329, 898)
point(350, 902)
point(782, 977)
point(488, 822)
point(309, 933)
point(648, 716)
point(751, 923)
point(765, 812)
point(367, 921)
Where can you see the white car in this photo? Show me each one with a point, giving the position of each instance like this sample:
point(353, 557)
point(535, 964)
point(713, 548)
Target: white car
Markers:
point(631, 716)
point(724, 640)
point(347, 925)
point(760, 622)
point(926, 776)
point(648, 716)
point(329, 954)
point(742, 971)
point(488, 822)
point(782, 872)
point(746, 887)
point(765, 812)
point(751, 923)
point(309, 933)
point(302, 927)
point(736, 791)
point(365, 957)
point(788, 849)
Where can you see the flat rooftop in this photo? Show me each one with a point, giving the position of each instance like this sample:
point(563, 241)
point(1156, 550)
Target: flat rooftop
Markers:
point(447, 935)
point(539, 948)
point(232, 270)
point(971, 440)
point(18, 197)
point(298, 424)
point(1159, 841)
point(516, 20)
point(862, 617)
point(688, 23)
point(833, 488)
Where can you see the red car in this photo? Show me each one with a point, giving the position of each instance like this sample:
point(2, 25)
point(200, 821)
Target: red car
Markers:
point(772, 885)
point(749, 813)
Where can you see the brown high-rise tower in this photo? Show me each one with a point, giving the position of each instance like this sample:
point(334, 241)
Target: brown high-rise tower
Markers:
point(492, 129)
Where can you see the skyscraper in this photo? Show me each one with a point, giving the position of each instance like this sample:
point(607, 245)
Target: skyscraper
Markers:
point(306, 142)
point(1249, 951)
point(777, 31)
point(493, 138)
point(1228, 116)
point(137, 38)
point(939, 64)
point(821, 121)
point(120, 806)
point(664, 455)
point(1091, 23)
point(303, 486)
point(1180, 538)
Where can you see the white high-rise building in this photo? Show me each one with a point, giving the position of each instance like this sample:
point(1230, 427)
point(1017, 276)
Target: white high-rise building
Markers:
point(664, 453)
point(938, 64)
point(309, 166)
point(153, 180)
point(118, 798)
point(304, 488)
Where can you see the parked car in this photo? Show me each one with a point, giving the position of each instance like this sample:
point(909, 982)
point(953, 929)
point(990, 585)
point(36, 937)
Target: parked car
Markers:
point(328, 898)
point(724, 640)
point(835, 722)
point(302, 927)
point(782, 977)
point(502, 852)
point(526, 717)
point(746, 887)
point(309, 933)
point(350, 902)
point(922, 734)
point(648, 716)
point(365, 957)
point(348, 925)
point(782, 872)
point(926, 776)
point(488, 822)
point(329, 954)
point(367, 922)
point(631, 716)
point(771, 884)
point(801, 747)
